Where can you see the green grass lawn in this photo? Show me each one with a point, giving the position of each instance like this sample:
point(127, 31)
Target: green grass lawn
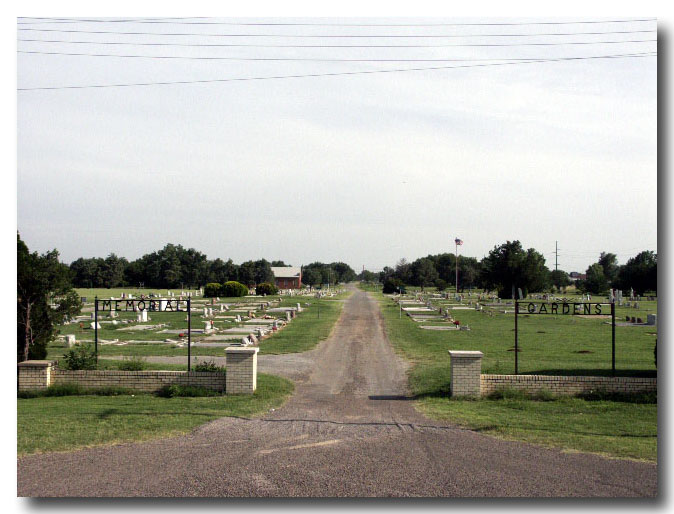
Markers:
point(559, 345)
point(71, 422)
point(617, 429)
point(307, 330)
point(309, 327)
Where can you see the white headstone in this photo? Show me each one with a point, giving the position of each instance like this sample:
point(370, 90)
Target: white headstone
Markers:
point(70, 340)
point(143, 315)
point(299, 308)
point(95, 325)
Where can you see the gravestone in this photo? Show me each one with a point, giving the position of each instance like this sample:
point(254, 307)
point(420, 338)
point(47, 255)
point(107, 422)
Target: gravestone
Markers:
point(651, 319)
point(70, 340)
point(287, 315)
point(95, 325)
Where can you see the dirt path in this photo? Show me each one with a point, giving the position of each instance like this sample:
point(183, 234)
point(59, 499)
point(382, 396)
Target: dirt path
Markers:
point(348, 431)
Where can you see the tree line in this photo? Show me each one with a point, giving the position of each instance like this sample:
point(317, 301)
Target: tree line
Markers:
point(510, 267)
point(177, 267)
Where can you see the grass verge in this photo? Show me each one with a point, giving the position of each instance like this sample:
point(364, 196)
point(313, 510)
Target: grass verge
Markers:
point(70, 422)
point(603, 424)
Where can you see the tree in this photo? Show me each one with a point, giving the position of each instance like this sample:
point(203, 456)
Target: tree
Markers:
point(247, 273)
point(263, 272)
point(508, 267)
point(343, 271)
point(266, 289)
point(113, 269)
point(609, 263)
point(423, 273)
point(560, 279)
point(44, 298)
point(404, 271)
point(311, 277)
point(595, 281)
point(393, 285)
point(367, 276)
point(640, 273)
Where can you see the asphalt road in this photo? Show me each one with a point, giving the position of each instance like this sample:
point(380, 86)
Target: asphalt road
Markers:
point(349, 430)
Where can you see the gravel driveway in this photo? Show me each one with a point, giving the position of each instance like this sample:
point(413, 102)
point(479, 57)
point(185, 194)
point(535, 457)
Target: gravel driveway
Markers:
point(349, 430)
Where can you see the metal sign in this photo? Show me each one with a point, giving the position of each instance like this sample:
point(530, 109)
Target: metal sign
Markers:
point(153, 305)
point(566, 308)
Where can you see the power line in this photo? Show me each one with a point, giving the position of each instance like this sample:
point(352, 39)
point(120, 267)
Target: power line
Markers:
point(273, 59)
point(322, 46)
point(387, 36)
point(332, 74)
point(314, 24)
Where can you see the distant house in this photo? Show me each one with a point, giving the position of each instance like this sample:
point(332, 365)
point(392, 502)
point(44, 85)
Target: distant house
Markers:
point(574, 275)
point(287, 277)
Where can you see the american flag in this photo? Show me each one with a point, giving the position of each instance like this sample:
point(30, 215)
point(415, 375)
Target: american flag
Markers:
point(458, 241)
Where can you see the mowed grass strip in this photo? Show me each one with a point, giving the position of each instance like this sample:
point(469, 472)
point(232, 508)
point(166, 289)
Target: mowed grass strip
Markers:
point(550, 345)
point(617, 429)
point(72, 422)
point(307, 329)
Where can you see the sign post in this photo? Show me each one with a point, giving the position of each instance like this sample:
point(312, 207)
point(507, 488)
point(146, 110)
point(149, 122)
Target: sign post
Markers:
point(516, 348)
point(96, 328)
point(189, 332)
point(566, 308)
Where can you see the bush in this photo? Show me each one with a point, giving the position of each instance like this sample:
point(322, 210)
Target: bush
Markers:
point(132, 364)
point(392, 285)
point(600, 395)
point(74, 389)
point(233, 289)
point(173, 391)
point(212, 290)
point(440, 284)
point(82, 356)
point(542, 395)
point(209, 366)
point(266, 289)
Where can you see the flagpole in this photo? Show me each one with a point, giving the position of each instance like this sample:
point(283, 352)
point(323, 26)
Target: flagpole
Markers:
point(456, 259)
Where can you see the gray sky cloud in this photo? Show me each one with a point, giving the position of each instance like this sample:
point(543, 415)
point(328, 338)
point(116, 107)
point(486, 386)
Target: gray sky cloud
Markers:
point(365, 168)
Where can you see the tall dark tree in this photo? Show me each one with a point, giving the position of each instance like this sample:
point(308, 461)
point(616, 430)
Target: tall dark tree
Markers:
point(44, 297)
point(509, 267)
point(640, 273)
point(560, 279)
point(595, 281)
point(113, 270)
point(609, 263)
point(423, 273)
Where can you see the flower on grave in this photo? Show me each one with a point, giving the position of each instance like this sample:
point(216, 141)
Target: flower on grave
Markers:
point(457, 322)
point(182, 334)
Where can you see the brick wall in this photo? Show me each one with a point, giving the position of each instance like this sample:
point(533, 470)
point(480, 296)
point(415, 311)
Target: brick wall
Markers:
point(241, 370)
point(565, 385)
point(145, 381)
point(42, 374)
point(465, 367)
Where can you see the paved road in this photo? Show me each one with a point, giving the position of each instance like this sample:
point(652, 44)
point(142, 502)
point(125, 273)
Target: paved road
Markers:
point(350, 430)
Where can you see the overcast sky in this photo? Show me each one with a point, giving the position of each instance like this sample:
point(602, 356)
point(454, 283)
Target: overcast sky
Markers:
point(361, 168)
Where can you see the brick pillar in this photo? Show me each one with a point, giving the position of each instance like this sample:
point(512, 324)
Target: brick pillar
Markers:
point(465, 368)
point(35, 374)
point(241, 370)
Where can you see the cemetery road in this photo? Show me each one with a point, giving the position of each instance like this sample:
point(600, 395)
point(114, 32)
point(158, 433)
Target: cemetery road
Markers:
point(349, 430)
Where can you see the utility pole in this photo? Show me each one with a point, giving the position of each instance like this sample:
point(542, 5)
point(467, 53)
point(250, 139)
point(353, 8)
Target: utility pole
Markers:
point(555, 255)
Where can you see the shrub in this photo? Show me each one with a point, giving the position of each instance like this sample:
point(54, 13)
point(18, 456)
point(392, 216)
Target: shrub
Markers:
point(74, 389)
point(440, 284)
point(391, 285)
point(600, 395)
point(212, 290)
point(233, 289)
point(542, 395)
point(82, 356)
point(173, 391)
point(266, 289)
point(132, 364)
point(209, 366)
